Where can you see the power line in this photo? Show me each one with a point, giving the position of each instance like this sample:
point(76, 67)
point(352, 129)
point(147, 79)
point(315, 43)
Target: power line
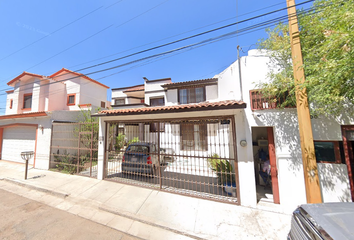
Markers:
point(114, 4)
point(71, 47)
point(61, 28)
point(94, 35)
point(175, 35)
point(142, 13)
point(193, 36)
point(204, 42)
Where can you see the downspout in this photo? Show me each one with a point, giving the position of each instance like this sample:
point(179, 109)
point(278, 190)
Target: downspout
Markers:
point(239, 70)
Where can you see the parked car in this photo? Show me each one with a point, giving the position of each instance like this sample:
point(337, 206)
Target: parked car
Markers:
point(323, 221)
point(140, 158)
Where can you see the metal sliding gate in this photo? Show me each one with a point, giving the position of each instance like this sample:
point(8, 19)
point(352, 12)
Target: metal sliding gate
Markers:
point(195, 157)
point(74, 148)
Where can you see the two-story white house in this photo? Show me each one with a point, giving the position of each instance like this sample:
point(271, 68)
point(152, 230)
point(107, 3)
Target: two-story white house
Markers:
point(225, 118)
point(36, 102)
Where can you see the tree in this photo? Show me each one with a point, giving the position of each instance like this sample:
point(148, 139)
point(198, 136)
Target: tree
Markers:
point(327, 40)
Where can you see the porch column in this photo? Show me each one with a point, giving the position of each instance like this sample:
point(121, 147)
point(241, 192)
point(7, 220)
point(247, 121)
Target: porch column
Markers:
point(248, 195)
point(1, 133)
point(101, 148)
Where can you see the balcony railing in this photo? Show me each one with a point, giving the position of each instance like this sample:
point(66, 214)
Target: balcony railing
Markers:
point(259, 102)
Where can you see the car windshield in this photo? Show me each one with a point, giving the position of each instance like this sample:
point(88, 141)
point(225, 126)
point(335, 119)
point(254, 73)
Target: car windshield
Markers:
point(138, 149)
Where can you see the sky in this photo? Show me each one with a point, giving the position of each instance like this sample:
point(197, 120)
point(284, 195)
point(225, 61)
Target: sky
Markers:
point(42, 37)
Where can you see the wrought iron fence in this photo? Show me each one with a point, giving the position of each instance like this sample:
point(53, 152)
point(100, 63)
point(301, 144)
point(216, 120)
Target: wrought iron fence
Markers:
point(188, 156)
point(74, 148)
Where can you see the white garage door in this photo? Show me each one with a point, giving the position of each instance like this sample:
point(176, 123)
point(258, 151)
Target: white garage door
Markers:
point(16, 140)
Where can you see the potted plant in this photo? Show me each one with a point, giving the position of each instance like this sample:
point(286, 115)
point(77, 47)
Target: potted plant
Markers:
point(225, 173)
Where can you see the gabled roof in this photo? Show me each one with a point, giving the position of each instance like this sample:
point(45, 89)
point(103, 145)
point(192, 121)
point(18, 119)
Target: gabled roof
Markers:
point(201, 82)
point(22, 75)
point(77, 74)
point(203, 106)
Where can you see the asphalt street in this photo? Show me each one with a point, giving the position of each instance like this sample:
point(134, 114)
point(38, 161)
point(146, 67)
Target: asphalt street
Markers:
point(22, 218)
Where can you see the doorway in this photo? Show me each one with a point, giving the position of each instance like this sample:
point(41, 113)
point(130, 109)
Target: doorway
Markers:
point(264, 150)
point(348, 146)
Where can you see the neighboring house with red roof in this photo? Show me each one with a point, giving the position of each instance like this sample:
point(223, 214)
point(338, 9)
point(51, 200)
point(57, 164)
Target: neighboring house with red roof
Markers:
point(35, 102)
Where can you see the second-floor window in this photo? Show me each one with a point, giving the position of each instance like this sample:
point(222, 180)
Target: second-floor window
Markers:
point(119, 101)
point(157, 101)
point(27, 101)
point(191, 95)
point(71, 99)
point(11, 103)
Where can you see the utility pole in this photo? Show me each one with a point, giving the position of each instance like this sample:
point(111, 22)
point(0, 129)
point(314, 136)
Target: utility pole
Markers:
point(312, 184)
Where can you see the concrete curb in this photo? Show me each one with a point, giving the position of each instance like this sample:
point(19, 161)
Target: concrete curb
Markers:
point(149, 223)
point(26, 185)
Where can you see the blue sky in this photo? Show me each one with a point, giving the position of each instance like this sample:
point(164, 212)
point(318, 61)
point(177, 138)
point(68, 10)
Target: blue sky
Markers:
point(77, 34)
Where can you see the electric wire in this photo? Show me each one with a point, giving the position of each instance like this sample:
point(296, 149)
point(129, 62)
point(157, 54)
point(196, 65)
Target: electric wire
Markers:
point(61, 28)
point(211, 40)
point(194, 36)
point(245, 14)
point(190, 37)
point(87, 38)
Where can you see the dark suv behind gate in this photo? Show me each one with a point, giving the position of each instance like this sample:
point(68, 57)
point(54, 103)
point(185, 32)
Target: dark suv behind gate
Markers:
point(140, 158)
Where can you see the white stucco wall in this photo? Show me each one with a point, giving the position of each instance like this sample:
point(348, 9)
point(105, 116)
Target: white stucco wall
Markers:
point(92, 93)
point(153, 89)
point(57, 96)
point(211, 93)
point(335, 184)
point(171, 97)
point(286, 135)
point(9, 97)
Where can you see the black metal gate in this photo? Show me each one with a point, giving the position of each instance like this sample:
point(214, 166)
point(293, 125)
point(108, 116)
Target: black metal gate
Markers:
point(74, 148)
point(195, 157)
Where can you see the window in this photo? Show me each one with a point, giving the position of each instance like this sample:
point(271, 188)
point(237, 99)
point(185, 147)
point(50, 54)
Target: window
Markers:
point(103, 104)
point(153, 127)
point(191, 95)
point(327, 152)
point(11, 103)
point(193, 137)
point(157, 102)
point(119, 101)
point(27, 101)
point(71, 99)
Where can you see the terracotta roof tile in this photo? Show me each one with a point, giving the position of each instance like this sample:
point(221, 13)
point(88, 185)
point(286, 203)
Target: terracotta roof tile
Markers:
point(78, 74)
point(187, 83)
point(24, 74)
point(135, 89)
point(229, 104)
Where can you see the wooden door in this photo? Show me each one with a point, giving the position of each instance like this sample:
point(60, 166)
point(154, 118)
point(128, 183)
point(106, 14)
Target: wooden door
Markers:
point(348, 142)
point(273, 164)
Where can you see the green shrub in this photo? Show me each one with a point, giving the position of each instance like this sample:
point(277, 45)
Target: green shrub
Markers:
point(66, 162)
point(134, 140)
point(223, 169)
point(120, 141)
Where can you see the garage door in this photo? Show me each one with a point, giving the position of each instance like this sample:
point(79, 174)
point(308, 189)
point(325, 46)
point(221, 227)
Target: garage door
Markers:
point(17, 140)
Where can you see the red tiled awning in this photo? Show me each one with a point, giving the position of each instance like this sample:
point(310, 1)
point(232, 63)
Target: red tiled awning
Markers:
point(203, 106)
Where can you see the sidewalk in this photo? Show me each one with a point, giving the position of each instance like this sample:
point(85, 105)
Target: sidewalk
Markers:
point(141, 212)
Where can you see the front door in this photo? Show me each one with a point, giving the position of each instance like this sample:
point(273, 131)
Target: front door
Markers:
point(273, 164)
point(348, 145)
